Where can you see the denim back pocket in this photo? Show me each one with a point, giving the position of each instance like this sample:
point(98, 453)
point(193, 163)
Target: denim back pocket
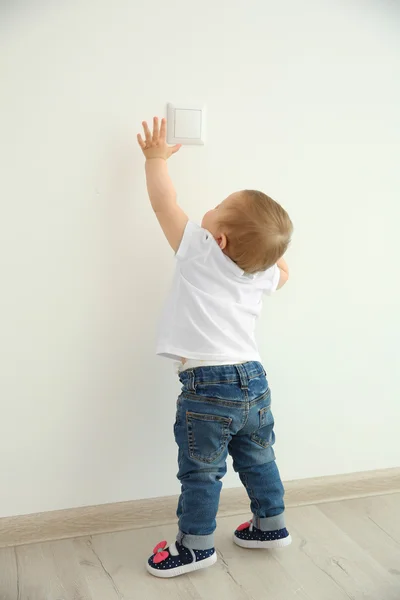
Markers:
point(208, 436)
point(264, 436)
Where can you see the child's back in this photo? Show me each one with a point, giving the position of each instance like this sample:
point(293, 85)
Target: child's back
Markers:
point(212, 308)
point(222, 270)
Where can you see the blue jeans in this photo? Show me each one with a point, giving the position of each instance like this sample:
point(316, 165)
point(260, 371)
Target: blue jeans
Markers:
point(225, 409)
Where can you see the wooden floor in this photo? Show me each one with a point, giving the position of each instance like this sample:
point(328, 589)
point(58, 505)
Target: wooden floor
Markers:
point(340, 550)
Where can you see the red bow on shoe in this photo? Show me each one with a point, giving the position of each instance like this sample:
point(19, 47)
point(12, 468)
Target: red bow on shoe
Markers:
point(160, 553)
point(243, 526)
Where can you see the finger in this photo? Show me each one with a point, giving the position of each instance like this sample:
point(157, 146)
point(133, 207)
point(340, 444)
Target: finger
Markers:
point(147, 132)
point(141, 142)
point(163, 130)
point(175, 148)
point(155, 129)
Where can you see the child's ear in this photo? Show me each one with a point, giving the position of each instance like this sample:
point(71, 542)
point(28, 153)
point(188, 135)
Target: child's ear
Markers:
point(221, 241)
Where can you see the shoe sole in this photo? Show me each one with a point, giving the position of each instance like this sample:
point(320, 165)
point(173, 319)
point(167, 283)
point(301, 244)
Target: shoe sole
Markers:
point(266, 545)
point(194, 566)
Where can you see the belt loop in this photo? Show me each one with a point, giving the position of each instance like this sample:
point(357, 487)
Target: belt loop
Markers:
point(191, 382)
point(244, 379)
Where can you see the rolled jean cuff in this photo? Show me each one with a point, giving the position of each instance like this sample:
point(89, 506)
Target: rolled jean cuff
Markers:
point(269, 523)
point(195, 542)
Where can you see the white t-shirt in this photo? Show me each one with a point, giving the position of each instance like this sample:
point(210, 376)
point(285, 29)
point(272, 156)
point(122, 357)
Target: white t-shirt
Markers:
point(212, 308)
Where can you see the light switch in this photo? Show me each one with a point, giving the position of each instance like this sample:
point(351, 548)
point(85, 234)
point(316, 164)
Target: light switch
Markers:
point(186, 124)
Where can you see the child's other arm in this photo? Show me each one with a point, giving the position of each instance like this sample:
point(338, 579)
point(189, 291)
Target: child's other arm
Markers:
point(284, 269)
point(160, 188)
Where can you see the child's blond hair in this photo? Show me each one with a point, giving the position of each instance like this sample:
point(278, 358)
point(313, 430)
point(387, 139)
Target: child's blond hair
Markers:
point(258, 231)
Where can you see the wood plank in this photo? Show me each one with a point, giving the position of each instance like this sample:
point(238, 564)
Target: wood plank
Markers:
point(239, 574)
point(354, 518)
point(218, 582)
point(332, 551)
point(258, 572)
point(123, 555)
point(307, 578)
point(8, 574)
point(50, 571)
point(98, 579)
point(384, 512)
point(338, 552)
point(137, 514)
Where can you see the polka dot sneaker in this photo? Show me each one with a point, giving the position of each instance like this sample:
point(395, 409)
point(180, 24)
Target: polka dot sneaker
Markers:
point(177, 560)
point(248, 536)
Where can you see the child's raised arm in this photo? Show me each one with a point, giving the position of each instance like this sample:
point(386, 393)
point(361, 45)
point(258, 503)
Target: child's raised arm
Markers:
point(160, 188)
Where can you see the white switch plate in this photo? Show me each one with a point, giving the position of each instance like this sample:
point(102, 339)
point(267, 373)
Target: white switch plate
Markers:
point(186, 124)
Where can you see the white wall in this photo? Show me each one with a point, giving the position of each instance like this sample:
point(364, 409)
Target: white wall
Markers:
point(303, 102)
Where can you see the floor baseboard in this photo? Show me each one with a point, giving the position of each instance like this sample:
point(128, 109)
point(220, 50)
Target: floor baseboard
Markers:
point(135, 514)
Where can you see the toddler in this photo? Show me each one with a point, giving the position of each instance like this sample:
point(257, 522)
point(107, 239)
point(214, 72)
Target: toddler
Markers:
point(222, 270)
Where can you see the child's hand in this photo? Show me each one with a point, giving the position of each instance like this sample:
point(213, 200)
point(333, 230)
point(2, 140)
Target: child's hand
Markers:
point(156, 145)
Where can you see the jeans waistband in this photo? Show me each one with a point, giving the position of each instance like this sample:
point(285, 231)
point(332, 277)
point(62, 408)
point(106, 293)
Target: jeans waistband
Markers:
point(240, 374)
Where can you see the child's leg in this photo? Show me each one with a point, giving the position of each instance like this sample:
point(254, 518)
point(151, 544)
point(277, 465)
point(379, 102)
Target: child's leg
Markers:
point(203, 449)
point(261, 480)
point(254, 460)
point(202, 434)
